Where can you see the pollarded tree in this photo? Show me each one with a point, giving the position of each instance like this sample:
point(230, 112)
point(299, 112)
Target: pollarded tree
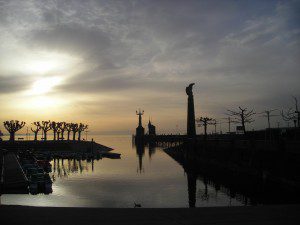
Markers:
point(45, 126)
point(36, 130)
point(242, 117)
point(55, 127)
point(68, 127)
point(74, 129)
point(12, 127)
point(204, 121)
point(62, 128)
point(81, 127)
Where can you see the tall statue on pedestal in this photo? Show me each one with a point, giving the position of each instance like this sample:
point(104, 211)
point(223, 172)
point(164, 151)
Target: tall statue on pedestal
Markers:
point(140, 131)
point(191, 128)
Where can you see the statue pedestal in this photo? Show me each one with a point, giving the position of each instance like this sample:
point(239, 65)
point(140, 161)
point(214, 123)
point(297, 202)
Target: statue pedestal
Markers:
point(140, 132)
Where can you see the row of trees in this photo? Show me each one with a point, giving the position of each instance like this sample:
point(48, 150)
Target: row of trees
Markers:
point(244, 116)
point(59, 129)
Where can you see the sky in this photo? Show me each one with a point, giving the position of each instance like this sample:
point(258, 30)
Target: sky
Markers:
point(97, 62)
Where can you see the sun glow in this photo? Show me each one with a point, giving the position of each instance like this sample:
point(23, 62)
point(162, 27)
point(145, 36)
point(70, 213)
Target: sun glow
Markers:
point(44, 85)
point(40, 63)
point(40, 66)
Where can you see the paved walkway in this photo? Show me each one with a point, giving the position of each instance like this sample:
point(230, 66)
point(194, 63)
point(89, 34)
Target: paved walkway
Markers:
point(265, 215)
point(14, 178)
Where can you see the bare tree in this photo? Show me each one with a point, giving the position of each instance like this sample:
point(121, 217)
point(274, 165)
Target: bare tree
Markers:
point(36, 130)
point(12, 127)
point(74, 129)
point(242, 116)
point(62, 128)
point(204, 121)
point(45, 126)
point(68, 127)
point(81, 128)
point(55, 127)
point(289, 115)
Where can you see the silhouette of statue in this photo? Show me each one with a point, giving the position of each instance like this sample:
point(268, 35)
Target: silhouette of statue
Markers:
point(191, 128)
point(140, 151)
point(140, 131)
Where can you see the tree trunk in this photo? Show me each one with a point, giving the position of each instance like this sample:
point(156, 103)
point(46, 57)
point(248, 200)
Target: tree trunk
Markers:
point(54, 135)
point(45, 135)
point(79, 135)
point(35, 136)
point(12, 136)
point(243, 125)
point(62, 135)
point(69, 135)
point(74, 134)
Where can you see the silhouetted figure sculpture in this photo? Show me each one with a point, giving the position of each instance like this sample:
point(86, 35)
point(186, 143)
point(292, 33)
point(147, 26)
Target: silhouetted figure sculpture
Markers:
point(191, 129)
point(46, 126)
point(140, 131)
point(12, 127)
point(36, 130)
point(81, 127)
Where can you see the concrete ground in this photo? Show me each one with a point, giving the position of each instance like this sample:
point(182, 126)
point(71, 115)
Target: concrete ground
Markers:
point(265, 215)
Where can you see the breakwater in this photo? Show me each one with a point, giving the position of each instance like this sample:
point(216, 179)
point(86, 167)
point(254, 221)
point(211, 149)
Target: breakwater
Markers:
point(76, 146)
point(266, 176)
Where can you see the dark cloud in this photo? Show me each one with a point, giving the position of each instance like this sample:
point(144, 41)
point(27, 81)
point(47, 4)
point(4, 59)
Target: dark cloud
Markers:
point(14, 83)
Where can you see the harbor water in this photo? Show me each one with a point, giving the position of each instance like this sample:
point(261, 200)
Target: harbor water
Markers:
point(146, 176)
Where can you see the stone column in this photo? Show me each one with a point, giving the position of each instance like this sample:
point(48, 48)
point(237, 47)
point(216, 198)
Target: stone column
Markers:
point(191, 128)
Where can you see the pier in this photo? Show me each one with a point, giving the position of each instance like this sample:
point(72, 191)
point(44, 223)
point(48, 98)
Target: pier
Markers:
point(13, 179)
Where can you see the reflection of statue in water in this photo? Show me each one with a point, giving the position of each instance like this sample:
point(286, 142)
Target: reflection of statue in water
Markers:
point(192, 179)
point(191, 129)
point(140, 151)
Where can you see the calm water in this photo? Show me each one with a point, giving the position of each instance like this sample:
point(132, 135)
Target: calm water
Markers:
point(149, 177)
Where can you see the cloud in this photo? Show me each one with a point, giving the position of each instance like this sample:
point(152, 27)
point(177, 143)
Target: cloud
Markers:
point(146, 52)
point(14, 83)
